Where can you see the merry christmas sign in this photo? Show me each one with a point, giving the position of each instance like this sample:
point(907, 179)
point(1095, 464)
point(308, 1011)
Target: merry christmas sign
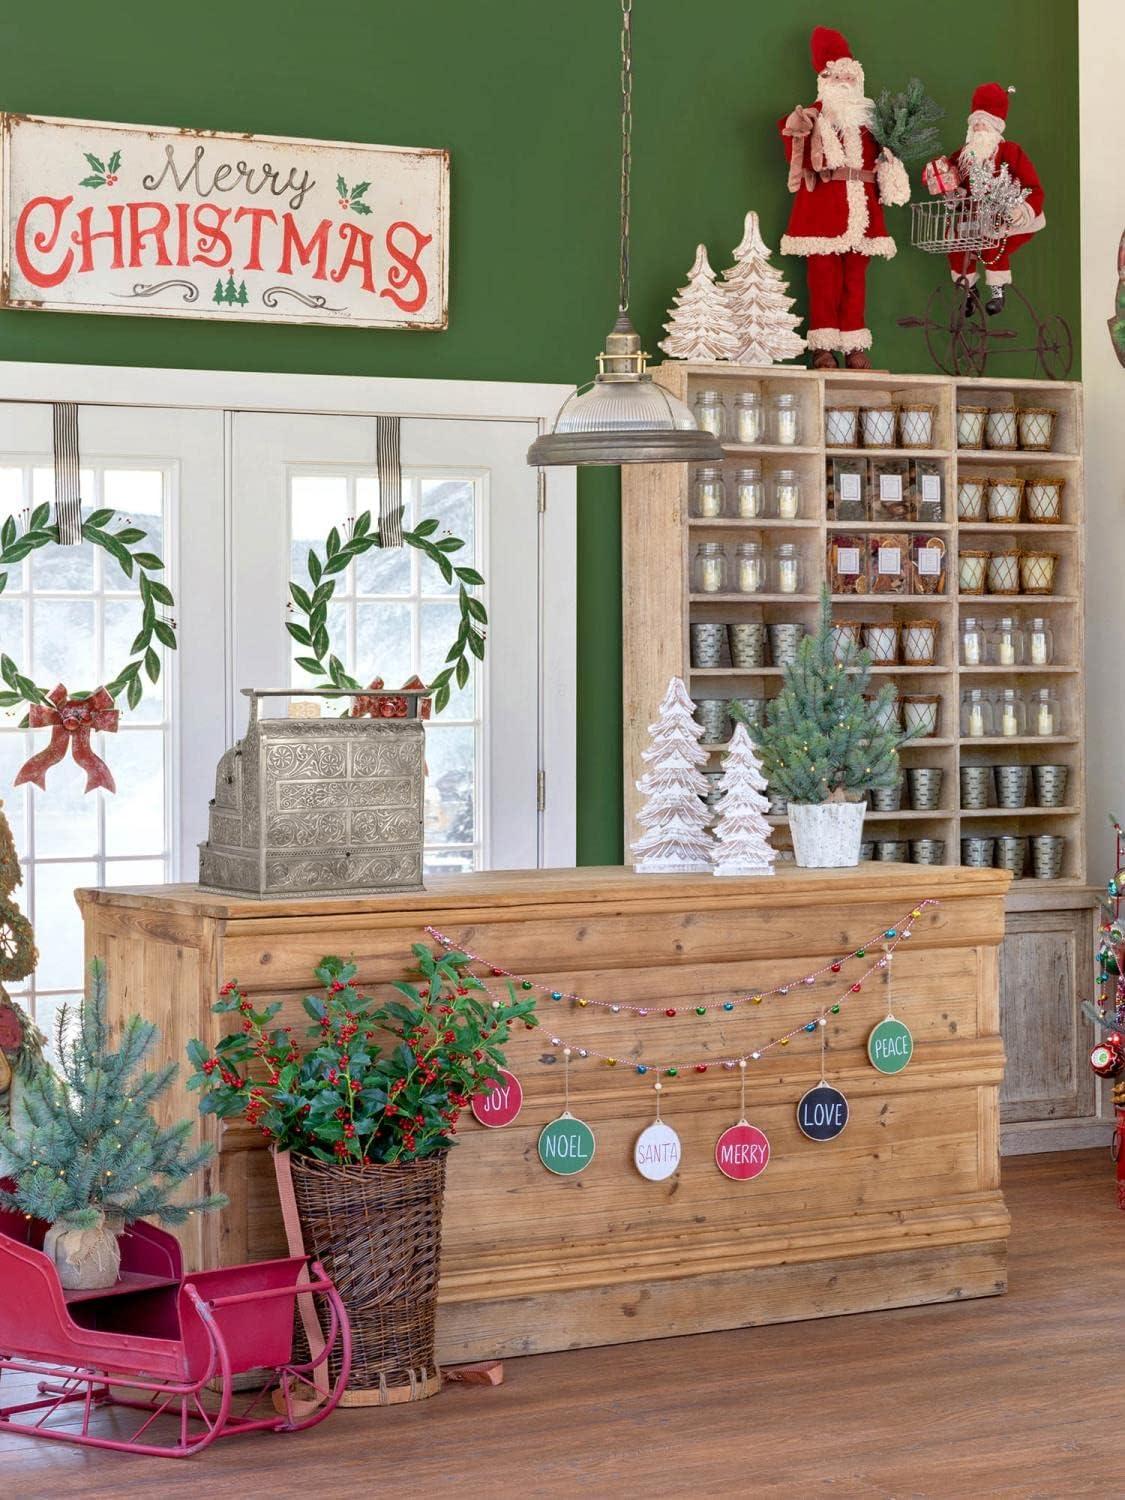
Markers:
point(197, 224)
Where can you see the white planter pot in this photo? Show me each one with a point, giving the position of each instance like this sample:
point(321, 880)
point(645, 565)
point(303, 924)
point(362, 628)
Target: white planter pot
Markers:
point(826, 835)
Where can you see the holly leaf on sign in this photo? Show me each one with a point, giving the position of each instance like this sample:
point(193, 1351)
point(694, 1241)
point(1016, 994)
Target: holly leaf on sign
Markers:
point(341, 187)
point(359, 189)
point(360, 208)
point(92, 182)
point(97, 164)
point(114, 162)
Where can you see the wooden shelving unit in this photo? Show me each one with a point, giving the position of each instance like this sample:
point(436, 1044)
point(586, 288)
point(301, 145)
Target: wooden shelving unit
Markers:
point(661, 534)
point(659, 539)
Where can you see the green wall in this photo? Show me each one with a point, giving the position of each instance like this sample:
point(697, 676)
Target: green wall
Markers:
point(525, 97)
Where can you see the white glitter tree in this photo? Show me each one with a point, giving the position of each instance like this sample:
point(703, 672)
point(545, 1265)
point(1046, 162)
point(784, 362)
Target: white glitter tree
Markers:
point(674, 815)
point(742, 832)
point(755, 291)
point(700, 322)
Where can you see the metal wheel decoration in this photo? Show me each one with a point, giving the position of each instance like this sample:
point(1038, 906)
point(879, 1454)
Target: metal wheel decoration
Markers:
point(960, 340)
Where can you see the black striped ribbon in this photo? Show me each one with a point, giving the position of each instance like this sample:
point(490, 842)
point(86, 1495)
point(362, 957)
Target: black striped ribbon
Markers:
point(68, 502)
point(388, 461)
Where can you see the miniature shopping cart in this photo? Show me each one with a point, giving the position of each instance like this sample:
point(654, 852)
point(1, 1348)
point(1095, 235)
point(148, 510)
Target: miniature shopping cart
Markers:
point(151, 1364)
point(956, 224)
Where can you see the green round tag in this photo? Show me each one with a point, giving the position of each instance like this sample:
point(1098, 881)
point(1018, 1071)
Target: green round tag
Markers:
point(890, 1046)
point(566, 1145)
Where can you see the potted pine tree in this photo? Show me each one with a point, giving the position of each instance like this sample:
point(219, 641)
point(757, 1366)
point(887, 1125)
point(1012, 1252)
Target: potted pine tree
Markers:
point(92, 1158)
point(361, 1120)
point(824, 744)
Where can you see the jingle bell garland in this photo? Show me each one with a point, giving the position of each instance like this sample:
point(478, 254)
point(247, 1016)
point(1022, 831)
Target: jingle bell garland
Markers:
point(338, 553)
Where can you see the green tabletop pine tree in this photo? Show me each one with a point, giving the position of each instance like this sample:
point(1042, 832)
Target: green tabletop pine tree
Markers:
point(823, 739)
point(20, 1042)
point(94, 1153)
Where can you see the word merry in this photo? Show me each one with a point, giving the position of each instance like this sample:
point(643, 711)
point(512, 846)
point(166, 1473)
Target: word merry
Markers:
point(243, 175)
point(743, 1154)
point(251, 238)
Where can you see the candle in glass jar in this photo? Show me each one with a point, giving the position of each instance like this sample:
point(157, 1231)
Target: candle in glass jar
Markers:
point(1006, 652)
point(1038, 648)
point(788, 493)
point(971, 644)
point(976, 722)
point(1045, 720)
point(748, 417)
point(787, 575)
point(785, 419)
point(1009, 725)
point(750, 576)
point(749, 492)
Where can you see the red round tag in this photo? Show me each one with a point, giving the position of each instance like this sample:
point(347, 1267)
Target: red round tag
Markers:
point(500, 1105)
point(742, 1152)
point(11, 1032)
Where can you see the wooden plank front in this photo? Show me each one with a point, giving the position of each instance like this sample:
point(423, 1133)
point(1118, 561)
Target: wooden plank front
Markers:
point(903, 1207)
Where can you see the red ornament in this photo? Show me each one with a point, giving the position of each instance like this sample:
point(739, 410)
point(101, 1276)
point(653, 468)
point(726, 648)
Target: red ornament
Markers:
point(742, 1152)
point(1107, 1061)
point(11, 1029)
point(856, 988)
point(701, 1067)
point(501, 1105)
point(669, 1012)
point(836, 968)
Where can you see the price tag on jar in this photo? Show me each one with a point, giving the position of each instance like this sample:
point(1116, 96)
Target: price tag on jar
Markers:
point(890, 487)
point(890, 558)
point(850, 487)
point(929, 561)
point(847, 560)
point(931, 487)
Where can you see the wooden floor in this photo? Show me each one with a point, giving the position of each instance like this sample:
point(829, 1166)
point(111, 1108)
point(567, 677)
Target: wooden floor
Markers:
point(1008, 1396)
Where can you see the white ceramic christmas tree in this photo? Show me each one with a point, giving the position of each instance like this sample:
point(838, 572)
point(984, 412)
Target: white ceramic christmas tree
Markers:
point(765, 329)
point(700, 321)
point(742, 833)
point(674, 816)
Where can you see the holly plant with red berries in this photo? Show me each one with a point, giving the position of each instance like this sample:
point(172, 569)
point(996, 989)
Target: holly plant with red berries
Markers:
point(353, 198)
point(105, 171)
point(379, 1082)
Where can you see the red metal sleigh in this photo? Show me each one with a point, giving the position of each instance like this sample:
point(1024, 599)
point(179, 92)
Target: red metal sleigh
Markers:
point(161, 1344)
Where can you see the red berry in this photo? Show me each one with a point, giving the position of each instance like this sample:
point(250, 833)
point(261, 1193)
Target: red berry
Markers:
point(670, 1012)
point(856, 988)
point(701, 1067)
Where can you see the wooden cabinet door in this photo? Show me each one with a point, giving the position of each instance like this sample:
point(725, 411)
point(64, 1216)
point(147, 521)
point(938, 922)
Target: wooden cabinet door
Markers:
point(1046, 971)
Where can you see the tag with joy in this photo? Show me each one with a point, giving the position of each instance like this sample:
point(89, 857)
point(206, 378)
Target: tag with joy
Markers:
point(742, 1152)
point(566, 1145)
point(501, 1104)
point(822, 1113)
point(890, 1046)
point(656, 1151)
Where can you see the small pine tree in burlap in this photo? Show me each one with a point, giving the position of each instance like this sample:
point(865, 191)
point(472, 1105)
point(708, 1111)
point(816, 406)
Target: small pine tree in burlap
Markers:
point(94, 1153)
point(823, 739)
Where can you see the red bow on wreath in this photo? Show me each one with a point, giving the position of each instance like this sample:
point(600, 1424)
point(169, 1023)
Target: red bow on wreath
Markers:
point(390, 708)
point(71, 721)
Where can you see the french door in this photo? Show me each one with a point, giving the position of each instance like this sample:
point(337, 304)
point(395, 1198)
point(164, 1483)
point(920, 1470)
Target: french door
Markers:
point(392, 615)
point(69, 615)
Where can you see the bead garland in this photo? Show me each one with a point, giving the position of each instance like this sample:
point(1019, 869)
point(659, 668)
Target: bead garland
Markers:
point(756, 997)
point(703, 1065)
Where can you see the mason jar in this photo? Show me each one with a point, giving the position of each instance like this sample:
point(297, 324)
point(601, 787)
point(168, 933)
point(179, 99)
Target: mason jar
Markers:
point(972, 642)
point(785, 419)
point(749, 568)
point(711, 414)
point(709, 492)
point(786, 495)
point(1006, 643)
point(787, 568)
point(748, 417)
point(709, 574)
point(750, 493)
point(1040, 643)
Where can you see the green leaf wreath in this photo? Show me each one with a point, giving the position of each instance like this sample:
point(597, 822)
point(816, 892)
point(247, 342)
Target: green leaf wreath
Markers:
point(123, 546)
point(311, 630)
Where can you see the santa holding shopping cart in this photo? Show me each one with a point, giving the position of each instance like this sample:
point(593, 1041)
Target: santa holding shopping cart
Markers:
point(985, 147)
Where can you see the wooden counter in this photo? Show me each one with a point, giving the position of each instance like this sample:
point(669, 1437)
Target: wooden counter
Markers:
point(904, 1207)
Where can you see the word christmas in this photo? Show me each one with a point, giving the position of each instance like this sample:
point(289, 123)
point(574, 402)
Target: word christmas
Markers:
point(112, 218)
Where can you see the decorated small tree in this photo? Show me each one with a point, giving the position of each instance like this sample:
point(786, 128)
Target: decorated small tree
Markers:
point(742, 833)
point(700, 324)
point(94, 1159)
point(824, 740)
point(755, 290)
point(674, 815)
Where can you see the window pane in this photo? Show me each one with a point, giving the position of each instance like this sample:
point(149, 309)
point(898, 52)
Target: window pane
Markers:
point(137, 495)
point(66, 815)
point(15, 747)
point(58, 925)
point(383, 644)
point(317, 502)
point(65, 643)
point(13, 639)
point(68, 568)
point(122, 620)
point(439, 626)
point(134, 822)
point(383, 570)
point(450, 799)
point(135, 872)
point(11, 490)
point(453, 503)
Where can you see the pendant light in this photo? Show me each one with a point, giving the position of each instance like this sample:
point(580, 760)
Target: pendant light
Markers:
point(623, 417)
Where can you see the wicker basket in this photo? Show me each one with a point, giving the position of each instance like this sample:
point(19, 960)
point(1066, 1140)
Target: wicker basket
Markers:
point(1004, 571)
point(1043, 499)
point(970, 426)
point(970, 499)
point(972, 567)
point(916, 424)
point(1037, 428)
point(1037, 572)
point(1004, 498)
point(377, 1231)
point(878, 426)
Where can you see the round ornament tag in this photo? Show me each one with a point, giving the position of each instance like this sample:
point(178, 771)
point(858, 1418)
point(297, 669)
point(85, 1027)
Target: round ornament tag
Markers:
point(890, 1046)
point(742, 1152)
point(822, 1113)
point(11, 1031)
point(501, 1104)
point(656, 1151)
point(566, 1145)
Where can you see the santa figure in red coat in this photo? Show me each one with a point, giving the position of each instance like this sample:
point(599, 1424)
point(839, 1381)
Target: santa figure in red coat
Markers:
point(841, 179)
point(985, 146)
